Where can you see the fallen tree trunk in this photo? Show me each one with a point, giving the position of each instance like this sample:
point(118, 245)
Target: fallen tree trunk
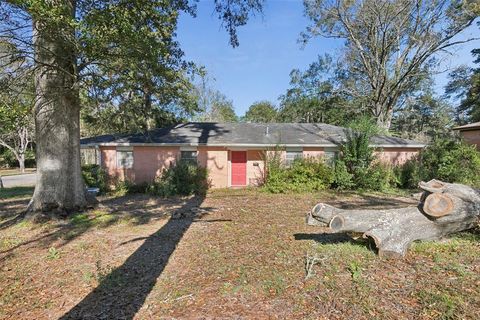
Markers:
point(444, 208)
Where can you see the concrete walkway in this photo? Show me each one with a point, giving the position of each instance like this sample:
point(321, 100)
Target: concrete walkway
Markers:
point(20, 180)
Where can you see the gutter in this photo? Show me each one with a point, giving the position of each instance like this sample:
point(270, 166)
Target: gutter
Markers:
point(238, 145)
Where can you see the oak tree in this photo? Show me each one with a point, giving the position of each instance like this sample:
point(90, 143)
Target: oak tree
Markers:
point(389, 45)
point(74, 45)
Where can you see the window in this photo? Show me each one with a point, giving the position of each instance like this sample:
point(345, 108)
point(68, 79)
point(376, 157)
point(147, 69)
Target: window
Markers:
point(291, 155)
point(330, 154)
point(124, 159)
point(189, 156)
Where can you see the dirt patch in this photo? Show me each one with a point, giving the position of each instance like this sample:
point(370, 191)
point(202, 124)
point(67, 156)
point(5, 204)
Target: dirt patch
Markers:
point(234, 254)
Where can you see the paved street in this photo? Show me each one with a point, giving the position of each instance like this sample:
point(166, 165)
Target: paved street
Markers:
point(21, 180)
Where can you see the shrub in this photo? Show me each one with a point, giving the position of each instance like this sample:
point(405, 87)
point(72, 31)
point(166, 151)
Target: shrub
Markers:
point(408, 174)
point(95, 176)
point(310, 174)
point(356, 152)
point(183, 178)
point(124, 187)
point(451, 161)
point(304, 175)
point(343, 180)
point(445, 159)
point(378, 177)
point(357, 167)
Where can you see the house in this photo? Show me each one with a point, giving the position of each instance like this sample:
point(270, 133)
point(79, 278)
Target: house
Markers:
point(232, 152)
point(470, 133)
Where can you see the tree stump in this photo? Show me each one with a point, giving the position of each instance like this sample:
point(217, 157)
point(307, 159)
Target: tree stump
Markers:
point(444, 208)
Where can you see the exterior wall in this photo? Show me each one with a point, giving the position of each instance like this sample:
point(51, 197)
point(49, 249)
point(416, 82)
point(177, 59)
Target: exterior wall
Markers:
point(149, 162)
point(255, 167)
point(472, 137)
point(109, 163)
point(216, 162)
point(397, 156)
point(313, 152)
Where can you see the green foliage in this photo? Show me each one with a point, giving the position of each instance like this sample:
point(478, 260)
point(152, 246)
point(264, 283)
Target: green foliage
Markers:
point(377, 177)
point(313, 96)
point(464, 85)
point(357, 167)
point(95, 176)
point(355, 270)
point(366, 125)
point(261, 112)
point(372, 67)
point(304, 175)
point(356, 152)
point(184, 178)
point(8, 159)
point(423, 117)
point(445, 159)
point(213, 106)
point(124, 187)
point(408, 174)
point(343, 180)
point(53, 254)
point(451, 161)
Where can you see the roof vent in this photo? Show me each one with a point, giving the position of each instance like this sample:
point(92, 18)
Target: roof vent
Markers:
point(267, 131)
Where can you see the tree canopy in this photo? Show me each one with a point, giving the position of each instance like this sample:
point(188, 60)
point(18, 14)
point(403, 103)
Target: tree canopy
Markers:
point(315, 95)
point(262, 112)
point(389, 46)
point(464, 85)
point(114, 54)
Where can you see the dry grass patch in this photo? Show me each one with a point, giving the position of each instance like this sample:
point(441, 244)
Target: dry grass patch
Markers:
point(236, 253)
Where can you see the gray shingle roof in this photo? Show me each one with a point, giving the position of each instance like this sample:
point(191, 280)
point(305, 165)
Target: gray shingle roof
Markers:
point(470, 126)
point(244, 134)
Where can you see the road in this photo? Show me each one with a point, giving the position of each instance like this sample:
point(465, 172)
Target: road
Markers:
point(20, 180)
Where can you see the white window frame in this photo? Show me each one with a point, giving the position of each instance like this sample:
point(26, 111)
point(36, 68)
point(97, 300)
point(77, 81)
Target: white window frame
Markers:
point(125, 157)
point(192, 151)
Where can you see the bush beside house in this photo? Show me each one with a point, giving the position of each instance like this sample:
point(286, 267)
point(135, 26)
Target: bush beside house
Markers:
point(445, 159)
point(183, 178)
point(357, 168)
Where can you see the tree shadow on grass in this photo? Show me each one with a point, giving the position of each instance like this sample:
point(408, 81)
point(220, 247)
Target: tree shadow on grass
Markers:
point(324, 238)
point(123, 292)
point(137, 209)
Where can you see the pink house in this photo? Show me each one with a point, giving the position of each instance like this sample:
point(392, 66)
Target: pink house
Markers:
point(233, 153)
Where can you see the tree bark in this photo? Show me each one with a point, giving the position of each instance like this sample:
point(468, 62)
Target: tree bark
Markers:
point(445, 208)
point(21, 162)
point(59, 186)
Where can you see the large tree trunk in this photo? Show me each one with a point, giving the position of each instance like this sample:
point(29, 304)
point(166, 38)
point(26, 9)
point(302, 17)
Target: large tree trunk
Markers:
point(444, 208)
point(59, 186)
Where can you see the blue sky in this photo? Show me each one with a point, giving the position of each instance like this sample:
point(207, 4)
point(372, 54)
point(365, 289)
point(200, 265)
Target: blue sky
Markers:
point(259, 68)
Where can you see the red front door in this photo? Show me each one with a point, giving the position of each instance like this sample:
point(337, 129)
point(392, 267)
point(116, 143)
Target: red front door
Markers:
point(239, 168)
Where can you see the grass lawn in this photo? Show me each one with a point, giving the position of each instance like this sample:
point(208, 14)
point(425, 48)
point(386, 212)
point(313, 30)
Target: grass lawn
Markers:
point(15, 192)
point(15, 171)
point(234, 254)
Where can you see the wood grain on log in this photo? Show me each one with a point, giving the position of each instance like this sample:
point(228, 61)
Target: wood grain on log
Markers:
point(444, 208)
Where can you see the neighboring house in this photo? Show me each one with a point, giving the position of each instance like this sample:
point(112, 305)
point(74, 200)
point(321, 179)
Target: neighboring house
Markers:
point(470, 133)
point(232, 152)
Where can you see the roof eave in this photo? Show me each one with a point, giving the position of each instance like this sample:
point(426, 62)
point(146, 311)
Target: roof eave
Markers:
point(246, 145)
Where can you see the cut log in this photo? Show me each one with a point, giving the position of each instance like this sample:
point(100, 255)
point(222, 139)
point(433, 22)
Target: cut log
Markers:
point(444, 208)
